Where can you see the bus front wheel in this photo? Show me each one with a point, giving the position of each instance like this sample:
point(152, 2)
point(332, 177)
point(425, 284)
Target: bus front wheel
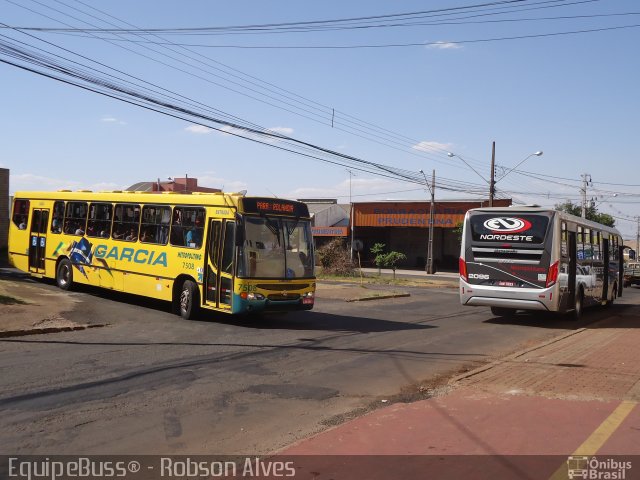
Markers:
point(64, 274)
point(188, 300)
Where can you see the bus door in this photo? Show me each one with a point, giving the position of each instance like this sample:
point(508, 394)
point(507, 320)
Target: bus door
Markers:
point(606, 268)
point(38, 240)
point(573, 266)
point(219, 264)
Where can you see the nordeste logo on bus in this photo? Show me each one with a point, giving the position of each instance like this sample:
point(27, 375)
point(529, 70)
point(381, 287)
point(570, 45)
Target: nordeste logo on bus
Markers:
point(507, 224)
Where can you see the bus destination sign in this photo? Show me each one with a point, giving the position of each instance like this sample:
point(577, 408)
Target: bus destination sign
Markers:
point(274, 206)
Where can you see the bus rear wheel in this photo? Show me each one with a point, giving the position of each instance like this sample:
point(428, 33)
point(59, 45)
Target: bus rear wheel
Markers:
point(64, 274)
point(188, 300)
point(614, 295)
point(502, 311)
point(577, 311)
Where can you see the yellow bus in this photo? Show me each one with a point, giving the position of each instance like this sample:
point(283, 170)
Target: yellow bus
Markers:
point(216, 251)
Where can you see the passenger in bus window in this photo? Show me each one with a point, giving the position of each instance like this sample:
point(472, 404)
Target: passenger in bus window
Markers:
point(79, 230)
point(193, 235)
point(23, 224)
point(118, 234)
point(132, 237)
point(147, 235)
point(55, 226)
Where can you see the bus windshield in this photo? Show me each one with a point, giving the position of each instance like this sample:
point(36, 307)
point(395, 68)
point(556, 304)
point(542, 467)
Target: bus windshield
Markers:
point(276, 247)
point(499, 227)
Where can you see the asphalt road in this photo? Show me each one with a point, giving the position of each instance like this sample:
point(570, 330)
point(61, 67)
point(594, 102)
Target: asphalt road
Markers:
point(150, 382)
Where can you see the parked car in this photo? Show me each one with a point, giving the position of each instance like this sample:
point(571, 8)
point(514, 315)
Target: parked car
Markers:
point(631, 274)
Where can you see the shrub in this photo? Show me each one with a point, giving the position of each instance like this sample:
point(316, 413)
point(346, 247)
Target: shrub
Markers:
point(334, 259)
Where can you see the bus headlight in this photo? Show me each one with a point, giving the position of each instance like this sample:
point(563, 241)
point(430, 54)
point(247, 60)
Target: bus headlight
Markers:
point(255, 296)
point(308, 298)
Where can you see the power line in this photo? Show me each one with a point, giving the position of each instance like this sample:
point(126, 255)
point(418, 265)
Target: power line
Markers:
point(391, 136)
point(342, 21)
point(390, 45)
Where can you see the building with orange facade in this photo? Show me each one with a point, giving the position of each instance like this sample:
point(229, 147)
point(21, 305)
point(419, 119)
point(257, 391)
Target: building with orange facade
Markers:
point(403, 226)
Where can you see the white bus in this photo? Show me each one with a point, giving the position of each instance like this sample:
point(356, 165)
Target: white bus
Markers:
point(533, 258)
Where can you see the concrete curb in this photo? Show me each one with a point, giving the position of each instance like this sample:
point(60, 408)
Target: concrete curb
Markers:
point(39, 331)
point(379, 297)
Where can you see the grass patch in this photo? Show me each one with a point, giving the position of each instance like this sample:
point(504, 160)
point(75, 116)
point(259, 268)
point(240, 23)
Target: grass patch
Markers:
point(374, 279)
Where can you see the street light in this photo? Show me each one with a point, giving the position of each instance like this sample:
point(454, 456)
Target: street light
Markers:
point(535, 154)
point(492, 182)
point(451, 155)
point(432, 190)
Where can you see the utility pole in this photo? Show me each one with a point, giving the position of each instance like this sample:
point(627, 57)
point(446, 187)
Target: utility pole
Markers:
point(586, 178)
point(432, 190)
point(492, 182)
point(351, 214)
point(637, 237)
point(431, 214)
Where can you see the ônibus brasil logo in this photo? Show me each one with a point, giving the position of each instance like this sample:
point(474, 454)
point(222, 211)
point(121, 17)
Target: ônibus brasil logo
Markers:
point(507, 224)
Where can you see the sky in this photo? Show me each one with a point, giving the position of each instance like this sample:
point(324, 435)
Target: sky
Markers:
point(445, 86)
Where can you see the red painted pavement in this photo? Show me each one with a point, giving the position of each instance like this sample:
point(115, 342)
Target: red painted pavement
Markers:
point(468, 422)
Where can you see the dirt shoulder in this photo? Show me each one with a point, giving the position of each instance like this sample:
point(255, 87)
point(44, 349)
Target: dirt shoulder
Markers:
point(30, 308)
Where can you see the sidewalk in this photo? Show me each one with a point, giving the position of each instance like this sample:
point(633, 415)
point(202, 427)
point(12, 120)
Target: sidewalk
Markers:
point(575, 395)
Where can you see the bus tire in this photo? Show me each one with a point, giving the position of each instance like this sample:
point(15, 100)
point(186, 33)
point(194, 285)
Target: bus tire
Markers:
point(614, 295)
point(64, 274)
point(577, 311)
point(188, 300)
point(502, 311)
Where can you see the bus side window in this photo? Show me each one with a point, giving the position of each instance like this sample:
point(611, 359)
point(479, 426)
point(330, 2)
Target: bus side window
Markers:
point(580, 244)
point(75, 218)
point(20, 213)
point(57, 217)
point(155, 224)
point(126, 222)
point(597, 246)
point(99, 224)
point(187, 228)
point(564, 251)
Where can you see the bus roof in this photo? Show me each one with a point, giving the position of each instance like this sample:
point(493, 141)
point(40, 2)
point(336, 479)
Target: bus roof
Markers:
point(198, 198)
point(213, 199)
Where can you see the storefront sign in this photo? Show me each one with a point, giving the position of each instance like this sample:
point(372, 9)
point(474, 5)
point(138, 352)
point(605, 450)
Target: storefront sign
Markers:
point(413, 214)
point(330, 231)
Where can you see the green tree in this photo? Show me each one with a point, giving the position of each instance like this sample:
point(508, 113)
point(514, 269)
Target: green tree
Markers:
point(590, 214)
point(386, 260)
point(457, 231)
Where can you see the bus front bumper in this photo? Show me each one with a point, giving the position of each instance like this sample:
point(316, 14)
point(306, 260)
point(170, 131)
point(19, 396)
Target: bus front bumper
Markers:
point(302, 302)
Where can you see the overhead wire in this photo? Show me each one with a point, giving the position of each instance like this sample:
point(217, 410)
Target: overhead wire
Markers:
point(453, 184)
point(94, 82)
point(426, 153)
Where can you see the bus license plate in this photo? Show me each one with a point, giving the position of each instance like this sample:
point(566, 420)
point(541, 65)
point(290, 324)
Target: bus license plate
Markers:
point(504, 283)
